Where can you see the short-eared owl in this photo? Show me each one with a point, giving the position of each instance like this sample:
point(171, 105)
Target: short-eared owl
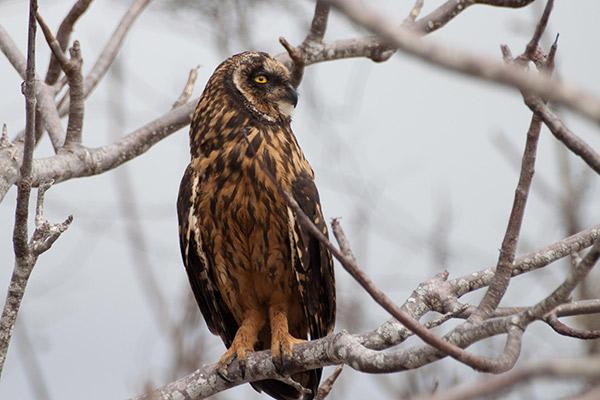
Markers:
point(260, 279)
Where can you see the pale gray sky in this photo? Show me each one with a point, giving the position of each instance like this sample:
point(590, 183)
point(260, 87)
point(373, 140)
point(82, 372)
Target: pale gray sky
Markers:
point(399, 142)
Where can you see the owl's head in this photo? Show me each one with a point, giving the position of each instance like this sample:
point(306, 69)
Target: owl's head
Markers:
point(261, 84)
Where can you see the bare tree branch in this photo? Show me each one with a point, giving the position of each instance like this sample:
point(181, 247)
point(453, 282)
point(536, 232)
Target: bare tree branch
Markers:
point(562, 293)
point(504, 268)
point(297, 57)
point(24, 260)
point(500, 364)
point(452, 8)
point(420, 302)
point(468, 64)
point(566, 330)
point(45, 234)
point(63, 35)
point(327, 385)
point(563, 368)
point(72, 69)
point(188, 89)
point(318, 25)
point(343, 348)
point(564, 134)
point(45, 106)
point(415, 11)
point(109, 52)
point(93, 161)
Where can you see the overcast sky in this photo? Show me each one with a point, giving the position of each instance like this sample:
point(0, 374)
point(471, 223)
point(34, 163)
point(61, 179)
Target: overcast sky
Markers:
point(397, 147)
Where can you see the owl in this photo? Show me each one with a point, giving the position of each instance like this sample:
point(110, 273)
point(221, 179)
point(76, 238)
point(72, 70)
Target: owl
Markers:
point(261, 280)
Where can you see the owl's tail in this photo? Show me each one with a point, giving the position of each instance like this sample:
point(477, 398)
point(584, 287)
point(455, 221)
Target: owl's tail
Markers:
point(282, 391)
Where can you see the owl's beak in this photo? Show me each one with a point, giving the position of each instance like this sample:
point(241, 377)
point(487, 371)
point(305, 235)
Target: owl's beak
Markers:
point(291, 95)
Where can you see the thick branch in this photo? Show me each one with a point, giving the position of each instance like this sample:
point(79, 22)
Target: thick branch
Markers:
point(24, 259)
point(350, 350)
point(85, 161)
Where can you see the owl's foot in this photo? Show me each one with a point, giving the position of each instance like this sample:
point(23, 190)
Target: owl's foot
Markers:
point(237, 351)
point(282, 346)
point(243, 343)
point(282, 342)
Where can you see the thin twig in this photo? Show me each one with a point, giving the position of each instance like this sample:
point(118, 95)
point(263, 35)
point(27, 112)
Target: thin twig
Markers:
point(532, 47)
point(565, 330)
point(564, 134)
point(328, 383)
point(439, 17)
point(297, 60)
point(63, 35)
point(318, 25)
point(415, 11)
point(108, 54)
point(188, 89)
point(72, 69)
point(564, 290)
point(499, 284)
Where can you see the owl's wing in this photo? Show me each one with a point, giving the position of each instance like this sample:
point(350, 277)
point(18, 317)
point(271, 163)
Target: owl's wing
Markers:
point(199, 264)
point(314, 271)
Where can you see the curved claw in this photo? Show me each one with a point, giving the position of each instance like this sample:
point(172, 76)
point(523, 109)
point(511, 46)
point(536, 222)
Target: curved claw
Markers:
point(282, 351)
point(234, 352)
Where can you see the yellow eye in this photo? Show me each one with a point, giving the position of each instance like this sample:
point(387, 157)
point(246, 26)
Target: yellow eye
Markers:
point(260, 79)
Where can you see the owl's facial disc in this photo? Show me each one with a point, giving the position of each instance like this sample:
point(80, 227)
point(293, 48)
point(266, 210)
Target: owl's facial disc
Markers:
point(265, 84)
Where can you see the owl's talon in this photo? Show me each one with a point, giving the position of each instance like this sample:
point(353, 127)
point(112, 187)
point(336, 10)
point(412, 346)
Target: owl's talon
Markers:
point(235, 352)
point(223, 374)
point(282, 352)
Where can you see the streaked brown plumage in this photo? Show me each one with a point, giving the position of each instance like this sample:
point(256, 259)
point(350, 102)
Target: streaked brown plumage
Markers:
point(260, 279)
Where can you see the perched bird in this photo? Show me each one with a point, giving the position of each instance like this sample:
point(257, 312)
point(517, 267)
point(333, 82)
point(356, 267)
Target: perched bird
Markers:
point(261, 280)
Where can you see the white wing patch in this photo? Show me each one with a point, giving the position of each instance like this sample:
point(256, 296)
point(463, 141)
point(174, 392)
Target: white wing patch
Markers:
point(192, 223)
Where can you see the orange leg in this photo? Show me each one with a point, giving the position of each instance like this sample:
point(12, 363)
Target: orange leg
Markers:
point(245, 338)
point(282, 342)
